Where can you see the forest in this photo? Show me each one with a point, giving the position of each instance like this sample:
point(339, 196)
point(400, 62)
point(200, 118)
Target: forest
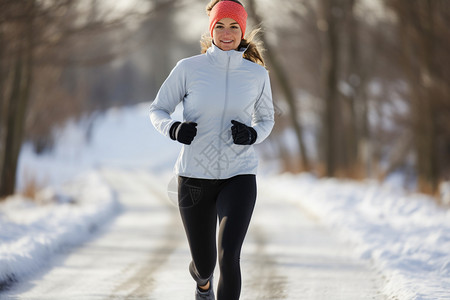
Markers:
point(361, 87)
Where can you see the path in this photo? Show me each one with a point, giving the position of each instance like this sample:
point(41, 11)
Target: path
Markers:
point(143, 254)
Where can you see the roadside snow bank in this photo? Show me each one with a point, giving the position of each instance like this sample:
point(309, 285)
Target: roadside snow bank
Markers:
point(30, 232)
point(406, 236)
point(119, 137)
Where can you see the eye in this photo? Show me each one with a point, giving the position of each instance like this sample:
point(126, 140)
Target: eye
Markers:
point(235, 27)
point(219, 26)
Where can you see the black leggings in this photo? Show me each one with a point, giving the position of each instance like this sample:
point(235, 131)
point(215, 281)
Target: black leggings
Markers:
point(201, 201)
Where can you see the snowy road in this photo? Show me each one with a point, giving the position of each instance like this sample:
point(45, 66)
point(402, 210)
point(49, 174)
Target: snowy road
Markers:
point(143, 254)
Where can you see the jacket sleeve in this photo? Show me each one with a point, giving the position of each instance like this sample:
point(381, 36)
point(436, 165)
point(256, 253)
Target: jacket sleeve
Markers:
point(263, 114)
point(170, 94)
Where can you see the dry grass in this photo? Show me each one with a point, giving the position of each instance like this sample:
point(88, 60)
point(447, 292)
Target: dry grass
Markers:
point(355, 172)
point(292, 164)
point(32, 184)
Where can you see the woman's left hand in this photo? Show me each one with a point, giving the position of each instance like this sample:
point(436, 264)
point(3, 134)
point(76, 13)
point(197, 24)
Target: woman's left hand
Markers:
point(242, 134)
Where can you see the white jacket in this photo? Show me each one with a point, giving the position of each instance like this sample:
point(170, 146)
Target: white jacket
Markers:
point(215, 88)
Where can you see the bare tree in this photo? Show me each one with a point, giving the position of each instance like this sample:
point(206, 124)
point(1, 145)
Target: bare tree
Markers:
point(43, 46)
point(18, 65)
point(423, 29)
point(388, 64)
point(285, 86)
point(329, 21)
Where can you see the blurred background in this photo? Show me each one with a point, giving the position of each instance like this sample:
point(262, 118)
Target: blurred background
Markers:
point(361, 87)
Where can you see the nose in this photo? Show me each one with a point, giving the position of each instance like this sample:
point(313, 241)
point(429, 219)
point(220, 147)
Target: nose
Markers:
point(227, 31)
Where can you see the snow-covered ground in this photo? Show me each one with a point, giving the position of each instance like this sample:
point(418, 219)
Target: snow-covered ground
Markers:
point(32, 231)
point(405, 236)
point(75, 199)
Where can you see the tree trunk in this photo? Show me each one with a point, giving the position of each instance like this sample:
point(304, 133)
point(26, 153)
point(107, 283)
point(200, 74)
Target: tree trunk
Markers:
point(16, 108)
point(329, 82)
point(353, 80)
point(2, 101)
point(419, 37)
point(429, 172)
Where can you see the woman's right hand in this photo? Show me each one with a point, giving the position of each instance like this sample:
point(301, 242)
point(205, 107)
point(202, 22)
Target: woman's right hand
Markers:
point(183, 132)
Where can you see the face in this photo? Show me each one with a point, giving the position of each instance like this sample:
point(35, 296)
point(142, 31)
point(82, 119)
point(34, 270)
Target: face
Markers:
point(227, 34)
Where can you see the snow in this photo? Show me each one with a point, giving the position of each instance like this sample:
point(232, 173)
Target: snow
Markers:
point(119, 138)
point(31, 232)
point(405, 236)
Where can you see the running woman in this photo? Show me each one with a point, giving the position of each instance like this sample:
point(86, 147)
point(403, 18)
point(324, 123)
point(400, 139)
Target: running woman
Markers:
point(227, 108)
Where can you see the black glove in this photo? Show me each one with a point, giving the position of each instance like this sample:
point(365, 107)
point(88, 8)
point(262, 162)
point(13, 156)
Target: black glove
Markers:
point(183, 132)
point(243, 134)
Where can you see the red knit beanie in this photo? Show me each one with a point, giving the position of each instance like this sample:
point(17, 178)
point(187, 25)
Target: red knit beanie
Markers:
point(228, 9)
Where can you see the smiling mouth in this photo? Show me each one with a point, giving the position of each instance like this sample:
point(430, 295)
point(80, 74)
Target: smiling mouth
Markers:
point(227, 42)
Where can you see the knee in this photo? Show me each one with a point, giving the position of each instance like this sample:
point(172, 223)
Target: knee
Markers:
point(228, 258)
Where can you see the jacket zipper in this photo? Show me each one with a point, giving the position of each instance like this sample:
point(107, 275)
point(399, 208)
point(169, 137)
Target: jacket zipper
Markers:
point(221, 143)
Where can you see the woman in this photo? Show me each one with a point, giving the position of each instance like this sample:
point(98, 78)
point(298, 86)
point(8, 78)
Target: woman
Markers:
point(227, 107)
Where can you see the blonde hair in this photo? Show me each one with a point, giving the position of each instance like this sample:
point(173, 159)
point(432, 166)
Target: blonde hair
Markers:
point(254, 47)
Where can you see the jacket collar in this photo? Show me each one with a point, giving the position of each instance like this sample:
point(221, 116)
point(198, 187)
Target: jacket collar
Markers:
point(221, 58)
